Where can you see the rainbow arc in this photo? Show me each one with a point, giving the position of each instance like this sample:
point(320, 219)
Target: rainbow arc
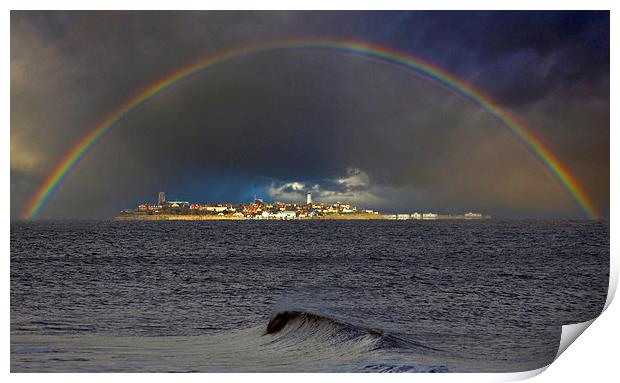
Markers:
point(358, 49)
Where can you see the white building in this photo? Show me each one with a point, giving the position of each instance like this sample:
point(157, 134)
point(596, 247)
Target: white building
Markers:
point(287, 214)
point(217, 209)
point(473, 215)
point(429, 216)
point(309, 198)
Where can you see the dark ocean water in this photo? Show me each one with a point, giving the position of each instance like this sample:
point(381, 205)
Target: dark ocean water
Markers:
point(337, 295)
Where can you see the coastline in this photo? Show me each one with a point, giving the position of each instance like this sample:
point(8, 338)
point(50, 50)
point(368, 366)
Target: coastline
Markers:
point(204, 217)
point(328, 217)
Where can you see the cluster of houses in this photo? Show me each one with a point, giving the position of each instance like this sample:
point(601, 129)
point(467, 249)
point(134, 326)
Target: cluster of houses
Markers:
point(254, 210)
point(434, 216)
point(413, 216)
point(278, 210)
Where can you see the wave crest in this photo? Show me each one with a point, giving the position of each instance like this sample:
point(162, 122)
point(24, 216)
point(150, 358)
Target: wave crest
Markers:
point(362, 349)
point(304, 324)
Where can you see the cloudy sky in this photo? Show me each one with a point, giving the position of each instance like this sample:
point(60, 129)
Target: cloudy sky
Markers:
point(280, 124)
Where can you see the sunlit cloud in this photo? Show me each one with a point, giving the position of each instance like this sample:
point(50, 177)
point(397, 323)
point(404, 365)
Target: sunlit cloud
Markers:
point(354, 187)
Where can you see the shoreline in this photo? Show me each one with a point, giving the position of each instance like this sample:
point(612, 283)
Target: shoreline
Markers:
point(330, 217)
point(181, 217)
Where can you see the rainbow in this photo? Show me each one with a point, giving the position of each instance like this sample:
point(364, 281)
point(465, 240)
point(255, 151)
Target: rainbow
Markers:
point(354, 48)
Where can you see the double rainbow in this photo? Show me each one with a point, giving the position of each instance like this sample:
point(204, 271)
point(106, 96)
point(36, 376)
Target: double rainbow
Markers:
point(354, 48)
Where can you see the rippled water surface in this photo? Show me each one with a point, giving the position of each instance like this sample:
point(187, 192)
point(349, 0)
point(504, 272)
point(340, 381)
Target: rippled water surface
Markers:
point(385, 296)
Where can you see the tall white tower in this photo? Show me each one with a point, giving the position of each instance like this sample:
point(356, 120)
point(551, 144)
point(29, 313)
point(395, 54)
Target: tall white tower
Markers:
point(309, 198)
point(161, 198)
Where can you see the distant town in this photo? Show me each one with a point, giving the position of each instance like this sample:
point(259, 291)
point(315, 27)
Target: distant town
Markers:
point(260, 210)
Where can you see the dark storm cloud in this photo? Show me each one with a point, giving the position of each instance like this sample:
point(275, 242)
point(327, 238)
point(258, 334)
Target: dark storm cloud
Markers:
point(271, 123)
point(520, 56)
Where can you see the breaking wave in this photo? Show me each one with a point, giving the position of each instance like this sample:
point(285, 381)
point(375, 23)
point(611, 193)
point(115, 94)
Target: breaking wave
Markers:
point(365, 349)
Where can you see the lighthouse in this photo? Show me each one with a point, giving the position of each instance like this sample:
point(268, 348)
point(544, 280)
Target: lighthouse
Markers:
point(309, 198)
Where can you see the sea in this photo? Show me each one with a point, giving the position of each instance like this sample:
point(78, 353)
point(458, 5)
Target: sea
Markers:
point(300, 296)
